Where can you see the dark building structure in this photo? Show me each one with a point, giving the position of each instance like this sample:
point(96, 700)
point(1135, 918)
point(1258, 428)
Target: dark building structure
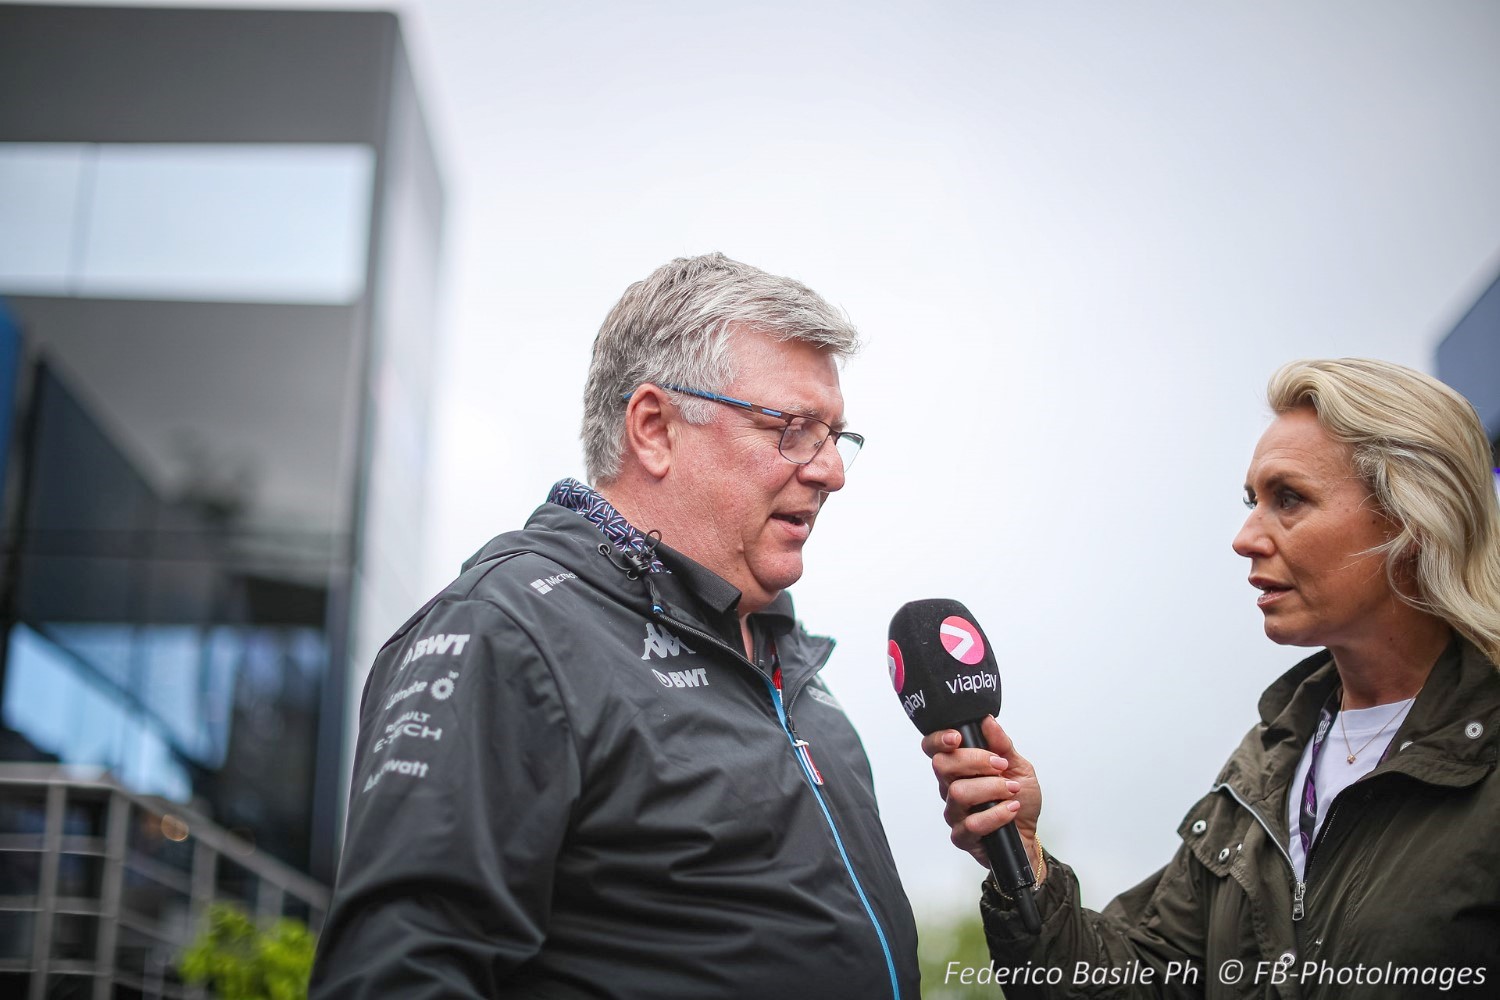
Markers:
point(218, 256)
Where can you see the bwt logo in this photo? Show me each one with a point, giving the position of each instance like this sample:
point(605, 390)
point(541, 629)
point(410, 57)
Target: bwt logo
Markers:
point(683, 678)
point(546, 583)
point(441, 644)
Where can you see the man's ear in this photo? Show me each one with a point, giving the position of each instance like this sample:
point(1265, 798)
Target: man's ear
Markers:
point(651, 429)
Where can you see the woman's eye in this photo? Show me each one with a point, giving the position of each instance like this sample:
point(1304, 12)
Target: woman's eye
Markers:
point(1248, 500)
point(1286, 499)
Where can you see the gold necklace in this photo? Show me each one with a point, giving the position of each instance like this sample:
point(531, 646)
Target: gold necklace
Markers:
point(1353, 755)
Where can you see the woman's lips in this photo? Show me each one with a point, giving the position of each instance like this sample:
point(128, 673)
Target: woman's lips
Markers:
point(1270, 593)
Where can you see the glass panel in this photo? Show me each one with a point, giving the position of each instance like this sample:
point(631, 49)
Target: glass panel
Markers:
point(20, 873)
point(165, 634)
point(236, 883)
point(49, 700)
point(134, 950)
point(15, 933)
point(295, 907)
point(85, 814)
point(64, 987)
point(239, 222)
point(75, 937)
point(148, 898)
point(22, 810)
point(80, 875)
point(108, 647)
point(141, 958)
point(39, 185)
point(166, 842)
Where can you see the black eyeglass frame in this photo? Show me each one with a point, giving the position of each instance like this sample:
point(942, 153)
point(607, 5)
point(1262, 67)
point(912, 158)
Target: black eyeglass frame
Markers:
point(836, 436)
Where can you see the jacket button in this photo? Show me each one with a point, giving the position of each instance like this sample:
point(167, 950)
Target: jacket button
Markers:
point(1404, 745)
point(1200, 826)
point(1287, 957)
point(1224, 854)
point(1473, 730)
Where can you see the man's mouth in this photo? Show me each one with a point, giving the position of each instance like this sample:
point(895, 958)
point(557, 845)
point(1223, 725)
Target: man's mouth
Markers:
point(796, 519)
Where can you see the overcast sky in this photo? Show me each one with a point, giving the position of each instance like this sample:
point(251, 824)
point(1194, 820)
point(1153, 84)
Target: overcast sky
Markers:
point(1078, 237)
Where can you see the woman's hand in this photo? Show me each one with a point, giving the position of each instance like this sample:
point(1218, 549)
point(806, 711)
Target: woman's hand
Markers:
point(970, 777)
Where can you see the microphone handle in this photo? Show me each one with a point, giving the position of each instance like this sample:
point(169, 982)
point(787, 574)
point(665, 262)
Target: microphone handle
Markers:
point(1008, 861)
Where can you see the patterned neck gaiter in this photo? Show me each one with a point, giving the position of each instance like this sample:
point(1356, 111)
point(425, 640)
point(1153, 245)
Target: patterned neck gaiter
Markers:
point(572, 494)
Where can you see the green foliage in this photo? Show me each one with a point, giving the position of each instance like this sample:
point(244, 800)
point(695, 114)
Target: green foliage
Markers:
point(240, 961)
point(958, 940)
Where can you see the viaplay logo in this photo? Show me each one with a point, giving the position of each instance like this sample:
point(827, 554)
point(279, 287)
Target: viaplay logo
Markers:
point(962, 640)
point(896, 666)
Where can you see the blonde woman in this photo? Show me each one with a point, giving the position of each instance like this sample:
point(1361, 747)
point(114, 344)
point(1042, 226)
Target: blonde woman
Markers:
point(1351, 844)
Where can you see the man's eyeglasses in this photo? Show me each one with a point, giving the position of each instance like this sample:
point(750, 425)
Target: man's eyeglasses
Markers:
point(800, 438)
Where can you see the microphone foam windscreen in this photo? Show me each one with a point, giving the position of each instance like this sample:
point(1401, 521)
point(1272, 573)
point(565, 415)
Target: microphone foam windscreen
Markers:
point(941, 665)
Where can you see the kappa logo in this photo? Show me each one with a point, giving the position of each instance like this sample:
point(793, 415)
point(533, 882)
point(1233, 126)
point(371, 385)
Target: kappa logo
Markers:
point(545, 584)
point(662, 643)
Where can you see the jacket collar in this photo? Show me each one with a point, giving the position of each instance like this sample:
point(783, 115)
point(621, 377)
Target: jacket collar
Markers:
point(571, 532)
point(1450, 737)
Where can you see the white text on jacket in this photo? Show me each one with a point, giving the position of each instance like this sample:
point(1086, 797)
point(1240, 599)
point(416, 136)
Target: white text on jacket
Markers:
point(439, 643)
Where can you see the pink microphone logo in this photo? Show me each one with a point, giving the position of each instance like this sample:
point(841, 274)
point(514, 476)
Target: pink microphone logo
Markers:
point(896, 666)
point(962, 640)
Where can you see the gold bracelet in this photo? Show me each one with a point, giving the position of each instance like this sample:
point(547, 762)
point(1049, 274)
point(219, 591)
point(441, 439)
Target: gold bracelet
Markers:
point(1039, 874)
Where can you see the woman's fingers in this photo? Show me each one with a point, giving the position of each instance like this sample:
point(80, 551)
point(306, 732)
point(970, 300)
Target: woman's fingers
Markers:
point(983, 789)
point(941, 742)
point(957, 765)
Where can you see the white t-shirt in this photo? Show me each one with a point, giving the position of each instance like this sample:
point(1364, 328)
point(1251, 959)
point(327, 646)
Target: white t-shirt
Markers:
point(1335, 773)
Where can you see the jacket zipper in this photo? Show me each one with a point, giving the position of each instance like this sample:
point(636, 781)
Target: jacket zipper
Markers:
point(1333, 810)
point(807, 773)
point(1299, 891)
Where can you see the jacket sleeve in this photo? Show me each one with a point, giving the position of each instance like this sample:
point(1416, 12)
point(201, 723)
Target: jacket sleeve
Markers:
point(465, 778)
point(1148, 942)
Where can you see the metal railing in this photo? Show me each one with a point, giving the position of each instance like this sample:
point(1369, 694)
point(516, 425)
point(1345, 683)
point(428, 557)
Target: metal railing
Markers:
point(101, 889)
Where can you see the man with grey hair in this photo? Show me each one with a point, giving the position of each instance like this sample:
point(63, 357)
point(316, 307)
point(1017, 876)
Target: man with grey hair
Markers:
point(578, 773)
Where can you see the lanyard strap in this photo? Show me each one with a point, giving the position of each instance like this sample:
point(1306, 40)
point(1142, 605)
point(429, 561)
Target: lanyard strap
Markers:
point(1307, 820)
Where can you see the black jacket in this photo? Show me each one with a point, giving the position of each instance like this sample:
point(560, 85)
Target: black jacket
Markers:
point(570, 783)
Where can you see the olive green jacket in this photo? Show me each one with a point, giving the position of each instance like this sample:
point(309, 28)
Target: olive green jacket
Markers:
point(1402, 894)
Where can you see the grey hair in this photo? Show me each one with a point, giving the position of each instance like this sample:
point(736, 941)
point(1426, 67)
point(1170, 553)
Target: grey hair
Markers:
point(675, 326)
point(1424, 455)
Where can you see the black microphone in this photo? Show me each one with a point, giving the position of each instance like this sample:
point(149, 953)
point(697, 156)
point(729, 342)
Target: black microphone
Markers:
point(943, 668)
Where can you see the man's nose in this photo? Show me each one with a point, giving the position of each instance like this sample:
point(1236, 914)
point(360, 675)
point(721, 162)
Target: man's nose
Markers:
point(826, 470)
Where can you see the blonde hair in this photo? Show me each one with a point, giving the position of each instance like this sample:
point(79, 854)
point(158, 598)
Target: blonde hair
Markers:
point(1420, 448)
